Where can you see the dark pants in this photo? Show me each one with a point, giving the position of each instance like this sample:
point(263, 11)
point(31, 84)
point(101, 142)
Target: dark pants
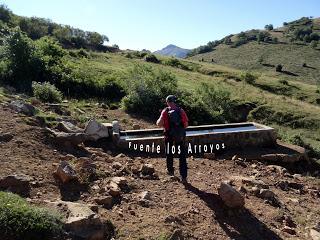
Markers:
point(182, 156)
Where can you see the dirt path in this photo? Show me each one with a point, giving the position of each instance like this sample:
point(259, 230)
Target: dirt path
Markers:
point(195, 209)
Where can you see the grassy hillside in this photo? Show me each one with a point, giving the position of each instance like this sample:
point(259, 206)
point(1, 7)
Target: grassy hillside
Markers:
point(294, 46)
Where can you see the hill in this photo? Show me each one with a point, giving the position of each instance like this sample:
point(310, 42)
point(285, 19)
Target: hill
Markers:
point(174, 51)
point(293, 46)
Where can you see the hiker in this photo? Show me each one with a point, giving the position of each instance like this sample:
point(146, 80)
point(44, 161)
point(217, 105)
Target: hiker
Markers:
point(174, 121)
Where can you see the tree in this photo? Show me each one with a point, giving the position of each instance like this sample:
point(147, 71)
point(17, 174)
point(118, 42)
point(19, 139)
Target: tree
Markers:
point(5, 13)
point(268, 27)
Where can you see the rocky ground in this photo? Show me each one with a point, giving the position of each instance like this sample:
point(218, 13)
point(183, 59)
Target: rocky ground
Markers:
point(142, 202)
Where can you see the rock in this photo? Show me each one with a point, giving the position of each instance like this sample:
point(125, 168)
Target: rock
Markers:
point(106, 201)
point(116, 165)
point(68, 157)
point(147, 169)
point(235, 157)
point(250, 181)
point(230, 196)
point(177, 235)
point(80, 221)
point(65, 172)
point(6, 137)
point(314, 234)
point(22, 107)
point(68, 127)
point(136, 126)
point(289, 230)
point(276, 168)
point(210, 156)
point(266, 194)
point(173, 219)
point(120, 155)
point(145, 195)
point(68, 139)
point(120, 181)
point(287, 158)
point(96, 130)
point(114, 189)
point(289, 222)
point(19, 184)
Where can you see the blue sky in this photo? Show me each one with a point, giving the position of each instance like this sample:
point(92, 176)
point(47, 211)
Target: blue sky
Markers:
point(153, 24)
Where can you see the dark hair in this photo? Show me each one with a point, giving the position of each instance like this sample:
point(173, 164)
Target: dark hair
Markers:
point(171, 98)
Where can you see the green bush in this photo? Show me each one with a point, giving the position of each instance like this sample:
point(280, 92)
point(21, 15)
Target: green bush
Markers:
point(20, 220)
point(46, 92)
point(279, 68)
point(174, 62)
point(146, 90)
point(151, 58)
point(248, 77)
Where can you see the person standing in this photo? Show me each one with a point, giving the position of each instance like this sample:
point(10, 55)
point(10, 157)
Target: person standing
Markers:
point(174, 121)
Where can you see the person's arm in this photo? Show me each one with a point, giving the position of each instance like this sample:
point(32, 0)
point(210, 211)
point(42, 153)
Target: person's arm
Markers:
point(160, 121)
point(185, 119)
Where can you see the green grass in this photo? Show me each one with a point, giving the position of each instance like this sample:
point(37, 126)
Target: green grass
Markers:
point(20, 220)
point(249, 56)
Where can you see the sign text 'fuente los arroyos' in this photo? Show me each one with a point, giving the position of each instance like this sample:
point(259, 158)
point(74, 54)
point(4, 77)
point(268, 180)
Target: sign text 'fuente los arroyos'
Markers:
point(190, 148)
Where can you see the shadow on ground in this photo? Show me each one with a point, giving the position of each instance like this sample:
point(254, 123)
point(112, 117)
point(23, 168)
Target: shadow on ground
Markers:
point(238, 225)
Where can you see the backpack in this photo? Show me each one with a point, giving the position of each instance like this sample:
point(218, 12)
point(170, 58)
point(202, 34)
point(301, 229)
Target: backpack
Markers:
point(176, 131)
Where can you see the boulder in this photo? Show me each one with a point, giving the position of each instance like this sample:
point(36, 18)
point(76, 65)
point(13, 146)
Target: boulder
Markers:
point(230, 196)
point(250, 181)
point(19, 184)
point(68, 139)
point(65, 172)
point(147, 169)
point(22, 107)
point(68, 127)
point(80, 221)
point(96, 130)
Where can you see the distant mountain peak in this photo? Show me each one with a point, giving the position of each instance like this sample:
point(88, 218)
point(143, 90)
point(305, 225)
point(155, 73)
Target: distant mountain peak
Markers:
point(173, 50)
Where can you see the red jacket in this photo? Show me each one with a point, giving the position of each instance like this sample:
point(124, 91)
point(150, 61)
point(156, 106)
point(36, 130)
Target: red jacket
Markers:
point(165, 117)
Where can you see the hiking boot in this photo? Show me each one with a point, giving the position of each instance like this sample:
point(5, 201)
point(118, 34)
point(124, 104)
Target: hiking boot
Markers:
point(170, 173)
point(184, 181)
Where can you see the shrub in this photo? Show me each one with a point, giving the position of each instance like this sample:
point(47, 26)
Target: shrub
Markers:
point(214, 100)
point(314, 44)
point(268, 27)
point(46, 92)
point(174, 62)
point(151, 58)
point(146, 90)
point(248, 77)
point(20, 220)
point(284, 82)
point(279, 68)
